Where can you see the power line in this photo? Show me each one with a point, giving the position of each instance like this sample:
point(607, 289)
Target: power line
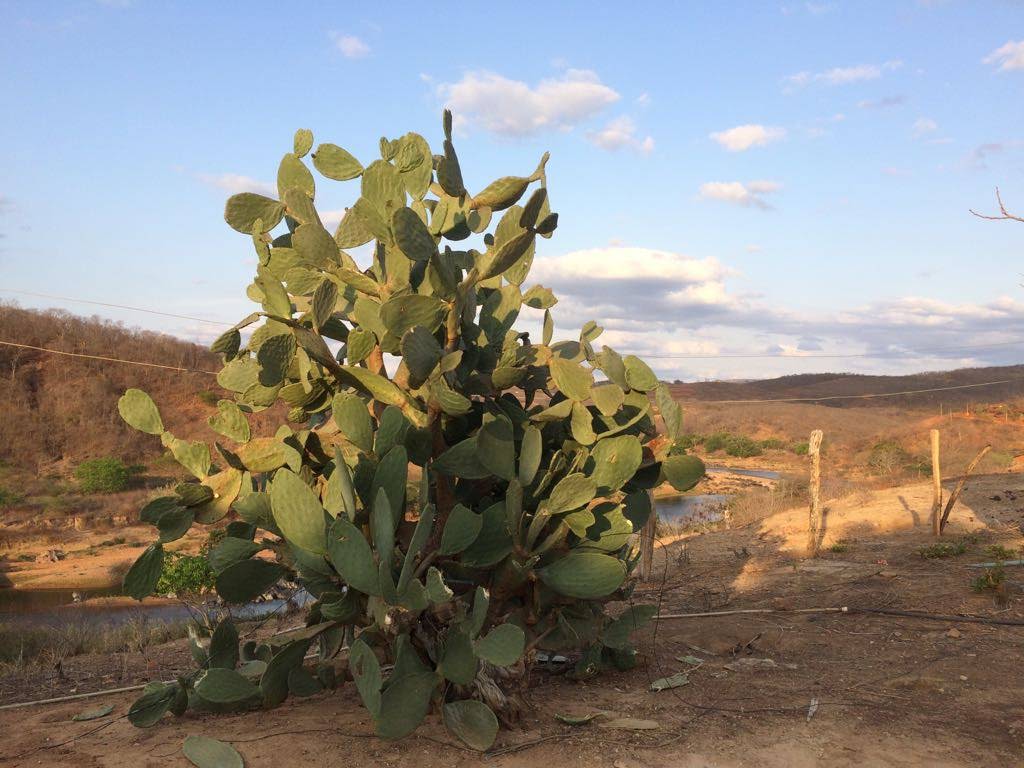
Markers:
point(653, 356)
point(890, 356)
point(856, 397)
point(115, 306)
point(694, 400)
point(107, 359)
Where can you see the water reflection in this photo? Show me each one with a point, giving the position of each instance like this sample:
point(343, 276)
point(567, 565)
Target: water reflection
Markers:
point(57, 607)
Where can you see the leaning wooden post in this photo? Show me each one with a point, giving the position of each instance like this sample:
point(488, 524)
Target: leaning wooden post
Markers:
point(647, 542)
point(960, 487)
point(936, 486)
point(814, 524)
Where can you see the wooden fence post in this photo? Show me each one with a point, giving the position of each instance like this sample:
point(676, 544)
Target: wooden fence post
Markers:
point(936, 486)
point(647, 542)
point(814, 523)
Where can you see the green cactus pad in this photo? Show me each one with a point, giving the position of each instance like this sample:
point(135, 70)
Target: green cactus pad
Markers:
point(571, 492)
point(472, 722)
point(204, 752)
point(247, 580)
point(230, 422)
point(671, 413)
point(303, 142)
point(140, 412)
point(402, 313)
point(502, 646)
point(412, 235)
point(683, 472)
point(335, 163)
point(274, 683)
point(292, 173)
point(225, 686)
point(156, 699)
point(572, 379)
point(459, 661)
point(460, 530)
point(617, 634)
point(352, 557)
point(608, 397)
point(297, 512)
point(638, 374)
point(502, 193)
point(141, 579)
point(243, 210)
point(584, 575)
point(496, 447)
point(353, 420)
point(615, 460)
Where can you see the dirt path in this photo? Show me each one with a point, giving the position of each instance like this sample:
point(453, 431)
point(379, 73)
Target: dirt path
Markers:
point(890, 691)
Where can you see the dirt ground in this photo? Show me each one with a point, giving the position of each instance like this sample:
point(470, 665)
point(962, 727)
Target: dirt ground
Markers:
point(841, 689)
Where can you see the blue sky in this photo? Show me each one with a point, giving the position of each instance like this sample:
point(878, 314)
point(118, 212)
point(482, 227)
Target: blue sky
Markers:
point(772, 178)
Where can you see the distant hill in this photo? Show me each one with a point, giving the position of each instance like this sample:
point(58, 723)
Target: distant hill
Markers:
point(56, 409)
point(830, 384)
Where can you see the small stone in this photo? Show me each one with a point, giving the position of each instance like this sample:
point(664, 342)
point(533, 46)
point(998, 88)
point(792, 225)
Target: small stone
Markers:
point(954, 633)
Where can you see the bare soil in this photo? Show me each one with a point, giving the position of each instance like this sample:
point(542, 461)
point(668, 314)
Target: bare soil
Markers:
point(889, 691)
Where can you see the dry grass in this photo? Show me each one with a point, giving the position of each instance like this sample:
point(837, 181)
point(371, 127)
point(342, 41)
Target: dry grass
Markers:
point(22, 645)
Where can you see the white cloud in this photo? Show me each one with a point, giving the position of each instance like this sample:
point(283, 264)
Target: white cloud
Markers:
point(843, 75)
point(234, 183)
point(514, 108)
point(883, 103)
point(660, 302)
point(626, 263)
point(1009, 57)
point(749, 194)
point(924, 126)
point(643, 100)
point(743, 137)
point(351, 47)
point(619, 133)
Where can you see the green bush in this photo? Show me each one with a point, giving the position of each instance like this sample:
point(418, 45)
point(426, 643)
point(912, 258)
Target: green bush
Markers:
point(685, 443)
point(734, 445)
point(717, 441)
point(888, 458)
point(9, 498)
point(106, 475)
point(773, 444)
point(800, 449)
point(743, 447)
point(185, 575)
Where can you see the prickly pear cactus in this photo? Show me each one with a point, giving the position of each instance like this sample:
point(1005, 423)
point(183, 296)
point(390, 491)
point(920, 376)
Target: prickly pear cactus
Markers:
point(530, 459)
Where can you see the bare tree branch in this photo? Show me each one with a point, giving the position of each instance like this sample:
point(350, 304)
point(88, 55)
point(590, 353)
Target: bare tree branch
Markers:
point(1004, 215)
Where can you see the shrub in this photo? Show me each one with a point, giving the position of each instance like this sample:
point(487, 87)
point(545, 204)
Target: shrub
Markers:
point(685, 443)
point(717, 441)
point(773, 444)
point(743, 447)
point(887, 458)
point(185, 575)
point(801, 449)
point(9, 498)
point(522, 530)
point(942, 549)
point(991, 579)
point(106, 475)
point(999, 552)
